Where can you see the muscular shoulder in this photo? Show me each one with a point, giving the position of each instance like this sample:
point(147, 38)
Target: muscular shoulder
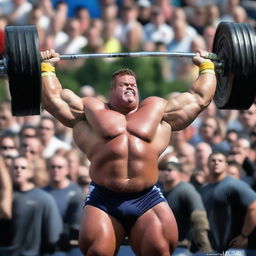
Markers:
point(154, 100)
point(93, 103)
point(188, 191)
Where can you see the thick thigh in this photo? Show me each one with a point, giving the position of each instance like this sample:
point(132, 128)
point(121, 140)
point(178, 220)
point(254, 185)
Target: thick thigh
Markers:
point(100, 234)
point(155, 233)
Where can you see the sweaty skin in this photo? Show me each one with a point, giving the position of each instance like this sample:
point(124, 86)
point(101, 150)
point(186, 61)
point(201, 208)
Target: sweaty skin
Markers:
point(123, 140)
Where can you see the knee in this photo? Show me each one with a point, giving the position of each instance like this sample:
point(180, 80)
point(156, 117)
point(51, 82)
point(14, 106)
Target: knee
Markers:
point(97, 251)
point(160, 249)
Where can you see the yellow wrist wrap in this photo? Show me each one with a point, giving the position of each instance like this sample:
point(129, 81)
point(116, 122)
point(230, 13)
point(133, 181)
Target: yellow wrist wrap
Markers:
point(47, 67)
point(206, 67)
point(48, 74)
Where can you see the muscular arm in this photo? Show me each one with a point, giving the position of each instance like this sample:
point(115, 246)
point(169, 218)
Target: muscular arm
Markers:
point(249, 225)
point(183, 108)
point(63, 104)
point(249, 220)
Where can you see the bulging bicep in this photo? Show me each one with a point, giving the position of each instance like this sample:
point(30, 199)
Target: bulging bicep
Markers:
point(181, 110)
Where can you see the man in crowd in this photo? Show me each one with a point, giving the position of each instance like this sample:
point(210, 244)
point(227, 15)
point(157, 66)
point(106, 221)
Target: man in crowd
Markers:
point(35, 225)
point(231, 207)
point(188, 209)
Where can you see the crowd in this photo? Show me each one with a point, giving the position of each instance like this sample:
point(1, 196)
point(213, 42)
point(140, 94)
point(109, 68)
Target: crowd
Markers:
point(44, 178)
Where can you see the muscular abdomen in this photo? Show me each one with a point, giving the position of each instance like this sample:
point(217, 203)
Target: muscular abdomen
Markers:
point(124, 163)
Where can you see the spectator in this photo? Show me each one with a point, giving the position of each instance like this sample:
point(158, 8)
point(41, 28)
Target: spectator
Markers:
point(27, 131)
point(68, 197)
point(231, 207)
point(188, 209)
point(180, 43)
point(110, 42)
point(46, 132)
point(179, 14)
point(73, 163)
point(211, 131)
point(56, 37)
point(94, 40)
point(239, 14)
point(157, 30)
point(240, 153)
point(199, 18)
point(5, 191)
point(128, 22)
point(186, 156)
point(83, 16)
point(36, 224)
point(19, 12)
point(252, 135)
point(213, 15)
point(208, 34)
point(247, 119)
point(144, 11)
point(201, 173)
point(227, 7)
point(75, 41)
point(109, 12)
point(166, 7)
point(133, 40)
point(32, 149)
point(84, 179)
point(234, 169)
point(8, 123)
point(231, 136)
point(8, 149)
point(36, 17)
point(63, 132)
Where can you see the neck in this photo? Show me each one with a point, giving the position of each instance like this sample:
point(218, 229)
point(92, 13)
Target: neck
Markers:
point(61, 184)
point(121, 110)
point(170, 185)
point(217, 178)
point(26, 186)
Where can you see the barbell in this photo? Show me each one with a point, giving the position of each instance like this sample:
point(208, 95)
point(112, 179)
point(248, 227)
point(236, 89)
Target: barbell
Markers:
point(233, 52)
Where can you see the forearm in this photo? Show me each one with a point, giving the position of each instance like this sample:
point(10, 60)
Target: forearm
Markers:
point(199, 230)
point(249, 221)
point(51, 91)
point(204, 89)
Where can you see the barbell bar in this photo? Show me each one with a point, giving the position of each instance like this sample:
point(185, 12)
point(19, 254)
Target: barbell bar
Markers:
point(212, 56)
point(233, 52)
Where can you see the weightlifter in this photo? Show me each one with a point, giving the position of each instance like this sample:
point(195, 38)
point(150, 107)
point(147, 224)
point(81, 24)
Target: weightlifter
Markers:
point(123, 139)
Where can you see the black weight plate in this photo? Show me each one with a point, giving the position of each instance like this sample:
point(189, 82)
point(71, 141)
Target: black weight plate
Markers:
point(23, 69)
point(235, 44)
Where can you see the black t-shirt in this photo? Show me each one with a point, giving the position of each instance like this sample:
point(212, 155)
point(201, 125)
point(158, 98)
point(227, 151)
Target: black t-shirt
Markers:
point(226, 203)
point(36, 223)
point(183, 200)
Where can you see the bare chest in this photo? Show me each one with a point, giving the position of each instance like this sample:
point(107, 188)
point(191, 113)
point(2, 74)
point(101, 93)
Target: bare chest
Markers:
point(110, 124)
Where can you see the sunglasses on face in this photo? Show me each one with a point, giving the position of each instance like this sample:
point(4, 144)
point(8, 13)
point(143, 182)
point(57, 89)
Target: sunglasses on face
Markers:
point(56, 166)
point(167, 169)
point(6, 147)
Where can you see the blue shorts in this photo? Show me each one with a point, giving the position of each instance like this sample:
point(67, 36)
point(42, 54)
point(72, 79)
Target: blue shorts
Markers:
point(125, 207)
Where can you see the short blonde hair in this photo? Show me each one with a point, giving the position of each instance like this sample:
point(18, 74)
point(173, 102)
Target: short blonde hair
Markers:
point(121, 72)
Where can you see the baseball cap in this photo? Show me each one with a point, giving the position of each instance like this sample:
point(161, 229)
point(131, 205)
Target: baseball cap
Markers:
point(144, 3)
